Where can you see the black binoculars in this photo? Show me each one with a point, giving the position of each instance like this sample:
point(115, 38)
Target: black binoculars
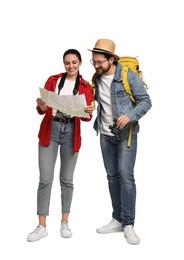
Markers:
point(114, 129)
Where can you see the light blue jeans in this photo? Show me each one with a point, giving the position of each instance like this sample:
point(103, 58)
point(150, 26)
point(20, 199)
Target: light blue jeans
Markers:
point(119, 161)
point(62, 141)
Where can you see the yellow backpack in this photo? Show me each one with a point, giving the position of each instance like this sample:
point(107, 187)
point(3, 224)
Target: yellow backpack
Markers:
point(132, 63)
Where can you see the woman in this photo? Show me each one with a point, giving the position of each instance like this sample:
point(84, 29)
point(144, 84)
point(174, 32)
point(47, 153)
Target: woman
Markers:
point(61, 132)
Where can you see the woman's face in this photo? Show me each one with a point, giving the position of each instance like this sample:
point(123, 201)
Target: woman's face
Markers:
point(72, 64)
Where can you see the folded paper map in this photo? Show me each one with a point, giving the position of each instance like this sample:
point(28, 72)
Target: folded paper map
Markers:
point(67, 104)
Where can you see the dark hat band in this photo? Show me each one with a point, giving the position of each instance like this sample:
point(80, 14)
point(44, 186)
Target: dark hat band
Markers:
point(97, 49)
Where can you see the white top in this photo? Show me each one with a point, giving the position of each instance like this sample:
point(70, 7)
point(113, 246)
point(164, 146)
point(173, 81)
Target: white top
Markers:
point(105, 102)
point(67, 89)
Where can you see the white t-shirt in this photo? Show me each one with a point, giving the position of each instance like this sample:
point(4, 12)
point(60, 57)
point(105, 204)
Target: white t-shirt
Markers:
point(67, 89)
point(105, 102)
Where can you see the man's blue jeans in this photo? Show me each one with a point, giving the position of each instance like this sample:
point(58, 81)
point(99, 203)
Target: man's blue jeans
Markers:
point(62, 140)
point(119, 161)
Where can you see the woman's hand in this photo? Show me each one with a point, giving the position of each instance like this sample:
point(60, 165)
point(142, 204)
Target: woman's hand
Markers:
point(89, 109)
point(41, 104)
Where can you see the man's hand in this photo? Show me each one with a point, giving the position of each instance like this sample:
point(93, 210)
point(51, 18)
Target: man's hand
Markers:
point(122, 121)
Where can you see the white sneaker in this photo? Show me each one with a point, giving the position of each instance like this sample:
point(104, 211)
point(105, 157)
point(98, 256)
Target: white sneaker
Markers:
point(113, 226)
point(65, 230)
point(37, 234)
point(130, 235)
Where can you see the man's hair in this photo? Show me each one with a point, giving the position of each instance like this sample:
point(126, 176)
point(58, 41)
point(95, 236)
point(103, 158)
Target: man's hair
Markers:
point(106, 55)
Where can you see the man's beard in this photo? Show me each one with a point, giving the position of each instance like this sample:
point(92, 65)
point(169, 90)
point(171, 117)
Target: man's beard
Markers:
point(103, 71)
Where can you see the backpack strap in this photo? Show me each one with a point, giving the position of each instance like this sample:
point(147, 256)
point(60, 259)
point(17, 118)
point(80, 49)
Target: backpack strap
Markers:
point(94, 89)
point(128, 90)
point(125, 82)
point(94, 93)
point(130, 136)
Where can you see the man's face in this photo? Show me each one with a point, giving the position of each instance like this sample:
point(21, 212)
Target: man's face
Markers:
point(100, 63)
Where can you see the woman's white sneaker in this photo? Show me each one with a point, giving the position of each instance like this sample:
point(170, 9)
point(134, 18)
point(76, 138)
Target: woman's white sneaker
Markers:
point(39, 232)
point(65, 230)
point(130, 235)
point(113, 226)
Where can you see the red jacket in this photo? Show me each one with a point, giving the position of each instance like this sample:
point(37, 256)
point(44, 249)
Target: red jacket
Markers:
point(46, 124)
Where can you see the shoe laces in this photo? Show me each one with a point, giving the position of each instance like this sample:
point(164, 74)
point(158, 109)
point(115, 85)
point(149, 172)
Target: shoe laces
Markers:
point(130, 230)
point(65, 226)
point(37, 229)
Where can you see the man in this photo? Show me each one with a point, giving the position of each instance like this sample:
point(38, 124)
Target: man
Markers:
point(116, 113)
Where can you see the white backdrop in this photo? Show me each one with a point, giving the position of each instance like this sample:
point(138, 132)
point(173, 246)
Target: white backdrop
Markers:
point(34, 36)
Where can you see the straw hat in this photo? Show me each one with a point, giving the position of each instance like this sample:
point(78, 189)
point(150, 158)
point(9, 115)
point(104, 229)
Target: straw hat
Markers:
point(105, 46)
